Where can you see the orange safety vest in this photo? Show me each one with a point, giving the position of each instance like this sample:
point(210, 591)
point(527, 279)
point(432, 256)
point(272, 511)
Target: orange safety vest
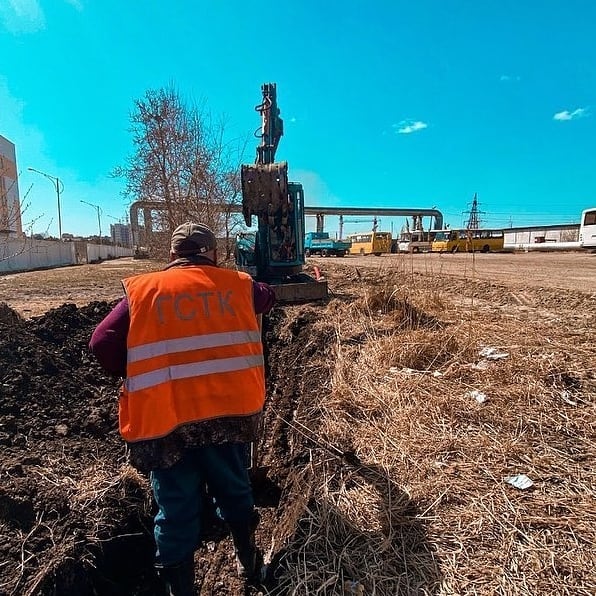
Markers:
point(194, 350)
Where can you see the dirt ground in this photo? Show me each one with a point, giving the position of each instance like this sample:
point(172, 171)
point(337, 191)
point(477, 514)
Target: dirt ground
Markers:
point(552, 270)
point(32, 294)
point(76, 519)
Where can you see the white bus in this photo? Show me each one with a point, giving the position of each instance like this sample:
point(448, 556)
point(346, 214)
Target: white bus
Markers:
point(416, 241)
point(587, 229)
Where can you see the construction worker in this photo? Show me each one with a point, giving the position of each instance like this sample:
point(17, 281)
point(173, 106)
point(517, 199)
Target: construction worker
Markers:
point(188, 344)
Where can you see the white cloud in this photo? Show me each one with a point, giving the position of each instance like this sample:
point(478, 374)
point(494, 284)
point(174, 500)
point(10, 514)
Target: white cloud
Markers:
point(22, 16)
point(505, 78)
point(567, 115)
point(406, 127)
point(27, 16)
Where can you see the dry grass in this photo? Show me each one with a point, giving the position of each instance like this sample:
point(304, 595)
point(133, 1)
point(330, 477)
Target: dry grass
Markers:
point(419, 503)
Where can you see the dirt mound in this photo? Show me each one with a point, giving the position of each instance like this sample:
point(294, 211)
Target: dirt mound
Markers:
point(75, 518)
point(66, 493)
point(8, 316)
point(50, 375)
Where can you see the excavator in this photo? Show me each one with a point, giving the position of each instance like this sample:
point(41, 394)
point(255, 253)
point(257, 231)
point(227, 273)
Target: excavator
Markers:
point(275, 252)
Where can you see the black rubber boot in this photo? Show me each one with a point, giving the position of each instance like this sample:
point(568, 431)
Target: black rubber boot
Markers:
point(249, 559)
point(178, 579)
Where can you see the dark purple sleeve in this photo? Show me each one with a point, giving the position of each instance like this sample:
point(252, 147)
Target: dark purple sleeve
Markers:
point(264, 297)
point(108, 342)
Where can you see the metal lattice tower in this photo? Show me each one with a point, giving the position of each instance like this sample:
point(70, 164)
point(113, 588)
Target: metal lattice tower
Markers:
point(473, 222)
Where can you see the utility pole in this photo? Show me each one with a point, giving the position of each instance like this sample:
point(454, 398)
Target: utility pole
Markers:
point(58, 184)
point(98, 208)
point(112, 234)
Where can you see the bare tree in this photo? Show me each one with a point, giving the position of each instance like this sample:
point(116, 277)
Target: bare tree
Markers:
point(181, 158)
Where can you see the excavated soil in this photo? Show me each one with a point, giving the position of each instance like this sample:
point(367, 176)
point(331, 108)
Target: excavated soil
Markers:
point(75, 518)
point(71, 523)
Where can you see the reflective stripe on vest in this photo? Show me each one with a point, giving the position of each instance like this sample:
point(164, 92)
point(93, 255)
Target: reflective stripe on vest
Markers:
point(194, 369)
point(196, 342)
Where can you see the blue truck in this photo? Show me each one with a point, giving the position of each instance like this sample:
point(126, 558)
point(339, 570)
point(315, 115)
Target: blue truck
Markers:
point(319, 243)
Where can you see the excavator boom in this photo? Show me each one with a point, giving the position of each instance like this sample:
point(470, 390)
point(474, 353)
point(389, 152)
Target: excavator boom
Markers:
point(275, 253)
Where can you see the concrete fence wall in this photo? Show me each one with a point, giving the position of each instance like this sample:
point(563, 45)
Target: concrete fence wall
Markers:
point(97, 252)
point(27, 254)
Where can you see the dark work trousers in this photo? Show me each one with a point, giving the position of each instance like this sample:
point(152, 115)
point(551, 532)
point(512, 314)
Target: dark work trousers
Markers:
point(178, 492)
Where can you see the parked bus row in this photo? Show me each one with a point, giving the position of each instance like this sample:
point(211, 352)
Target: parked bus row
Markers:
point(451, 240)
point(378, 243)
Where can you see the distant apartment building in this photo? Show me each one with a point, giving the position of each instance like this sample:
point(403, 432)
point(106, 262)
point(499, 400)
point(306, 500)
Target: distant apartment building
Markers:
point(120, 234)
point(10, 206)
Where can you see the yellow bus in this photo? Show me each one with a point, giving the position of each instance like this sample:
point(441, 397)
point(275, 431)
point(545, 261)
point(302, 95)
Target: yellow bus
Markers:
point(468, 241)
point(370, 243)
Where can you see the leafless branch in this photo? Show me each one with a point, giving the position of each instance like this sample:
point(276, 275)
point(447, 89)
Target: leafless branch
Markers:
point(182, 157)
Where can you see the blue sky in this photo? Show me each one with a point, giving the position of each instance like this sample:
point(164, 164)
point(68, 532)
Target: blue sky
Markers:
point(385, 103)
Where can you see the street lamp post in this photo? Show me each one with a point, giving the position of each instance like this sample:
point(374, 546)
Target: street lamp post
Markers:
point(58, 184)
point(98, 208)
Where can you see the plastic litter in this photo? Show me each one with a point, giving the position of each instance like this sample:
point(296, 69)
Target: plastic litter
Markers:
point(565, 396)
point(406, 371)
point(479, 396)
point(493, 353)
point(520, 481)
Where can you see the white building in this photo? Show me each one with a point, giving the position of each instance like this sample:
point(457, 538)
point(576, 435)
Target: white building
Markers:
point(10, 207)
point(120, 234)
